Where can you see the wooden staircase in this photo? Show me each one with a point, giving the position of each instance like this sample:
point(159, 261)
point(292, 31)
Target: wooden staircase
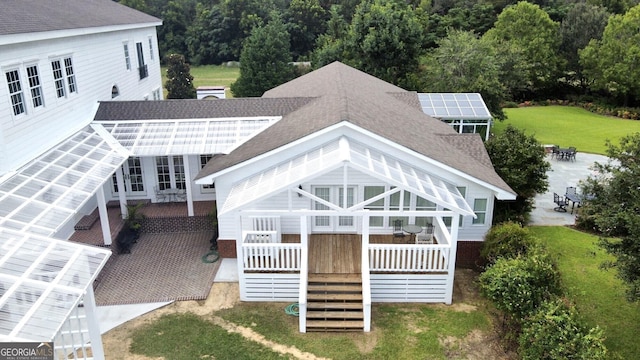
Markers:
point(334, 302)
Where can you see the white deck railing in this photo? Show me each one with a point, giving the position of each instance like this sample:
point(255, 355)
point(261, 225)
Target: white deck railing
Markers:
point(261, 252)
point(408, 258)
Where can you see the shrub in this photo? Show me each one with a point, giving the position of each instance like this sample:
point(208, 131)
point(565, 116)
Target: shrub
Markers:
point(518, 286)
point(555, 332)
point(506, 240)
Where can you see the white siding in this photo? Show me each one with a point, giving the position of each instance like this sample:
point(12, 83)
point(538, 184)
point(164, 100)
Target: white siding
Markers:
point(98, 64)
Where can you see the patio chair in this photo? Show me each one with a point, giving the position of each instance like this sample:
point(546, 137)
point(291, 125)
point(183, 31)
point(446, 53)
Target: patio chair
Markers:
point(555, 151)
point(181, 195)
point(160, 195)
point(561, 201)
point(426, 236)
point(571, 190)
point(397, 229)
point(571, 154)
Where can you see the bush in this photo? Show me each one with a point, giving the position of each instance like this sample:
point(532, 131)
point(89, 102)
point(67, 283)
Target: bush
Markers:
point(555, 332)
point(518, 286)
point(508, 240)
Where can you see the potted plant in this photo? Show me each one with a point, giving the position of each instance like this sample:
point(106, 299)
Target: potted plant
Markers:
point(131, 230)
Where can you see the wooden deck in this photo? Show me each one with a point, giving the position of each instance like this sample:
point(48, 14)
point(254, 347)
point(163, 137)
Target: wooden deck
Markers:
point(335, 254)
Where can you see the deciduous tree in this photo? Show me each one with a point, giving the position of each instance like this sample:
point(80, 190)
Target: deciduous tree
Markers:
point(520, 160)
point(265, 61)
point(527, 34)
point(614, 208)
point(613, 63)
point(464, 63)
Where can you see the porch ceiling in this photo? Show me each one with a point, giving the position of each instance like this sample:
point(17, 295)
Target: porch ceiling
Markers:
point(45, 193)
point(190, 137)
point(41, 281)
point(355, 155)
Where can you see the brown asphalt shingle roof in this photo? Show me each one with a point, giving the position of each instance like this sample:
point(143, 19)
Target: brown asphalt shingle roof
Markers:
point(343, 93)
point(197, 109)
point(30, 16)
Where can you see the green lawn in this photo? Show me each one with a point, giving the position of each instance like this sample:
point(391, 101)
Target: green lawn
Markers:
point(210, 75)
point(568, 126)
point(400, 331)
point(598, 294)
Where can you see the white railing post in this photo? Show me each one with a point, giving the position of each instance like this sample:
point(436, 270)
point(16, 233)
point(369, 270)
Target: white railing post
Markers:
point(240, 256)
point(304, 269)
point(366, 277)
point(451, 263)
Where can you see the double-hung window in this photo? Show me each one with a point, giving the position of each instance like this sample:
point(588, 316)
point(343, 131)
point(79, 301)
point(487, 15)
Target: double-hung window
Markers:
point(15, 92)
point(35, 87)
point(480, 208)
point(58, 78)
point(127, 58)
point(63, 72)
point(151, 48)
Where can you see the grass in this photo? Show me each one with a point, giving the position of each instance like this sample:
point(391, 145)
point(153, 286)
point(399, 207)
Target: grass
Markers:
point(188, 336)
point(569, 126)
point(399, 332)
point(598, 294)
point(210, 75)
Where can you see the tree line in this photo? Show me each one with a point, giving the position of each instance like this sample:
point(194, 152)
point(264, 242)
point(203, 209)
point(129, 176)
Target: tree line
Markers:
point(505, 50)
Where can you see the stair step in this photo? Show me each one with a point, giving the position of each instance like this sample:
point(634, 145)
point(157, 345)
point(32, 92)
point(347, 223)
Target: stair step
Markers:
point(335, 315)
point(334, 305)
point(335, 278)
point(333, 287)
point(335, 324)
point(350, 297)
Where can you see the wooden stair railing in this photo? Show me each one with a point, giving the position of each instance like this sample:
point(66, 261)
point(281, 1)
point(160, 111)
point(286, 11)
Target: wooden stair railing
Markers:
point(334, 302)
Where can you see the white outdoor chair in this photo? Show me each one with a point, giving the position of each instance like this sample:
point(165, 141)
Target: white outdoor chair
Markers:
point(425, 236)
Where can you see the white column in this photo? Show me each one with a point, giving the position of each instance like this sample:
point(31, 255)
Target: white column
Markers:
point(122, 193)
point(366, 279)
point(93, 326)
point(187, 179)
point(104, 216)
point(455, 219)
point(240, 256)
point(304, 272)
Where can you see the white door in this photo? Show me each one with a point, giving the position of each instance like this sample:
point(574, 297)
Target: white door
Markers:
point(334, 195)
point(133, 178)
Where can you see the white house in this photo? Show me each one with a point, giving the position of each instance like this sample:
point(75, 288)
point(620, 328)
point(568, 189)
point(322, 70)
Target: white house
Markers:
point(58, 58)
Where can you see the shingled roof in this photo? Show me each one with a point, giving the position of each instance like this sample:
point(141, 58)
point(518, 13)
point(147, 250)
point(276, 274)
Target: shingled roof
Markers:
point(342, 93)
point(31, 16)
point(197, 109)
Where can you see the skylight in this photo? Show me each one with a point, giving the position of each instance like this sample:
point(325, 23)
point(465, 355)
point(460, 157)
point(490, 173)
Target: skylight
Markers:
point(449, 106)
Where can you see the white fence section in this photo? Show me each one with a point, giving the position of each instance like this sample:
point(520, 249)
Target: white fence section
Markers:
point(267, 223)
point(261, 252)
point(427, 288)
point(408, 258)
point(271, 287)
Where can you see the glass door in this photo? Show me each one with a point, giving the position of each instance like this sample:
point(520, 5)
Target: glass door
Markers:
point(170, 171)
point(334, 195)
point(133, 177)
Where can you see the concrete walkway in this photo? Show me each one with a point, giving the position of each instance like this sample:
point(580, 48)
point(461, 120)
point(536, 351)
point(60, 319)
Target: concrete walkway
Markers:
point(562, 174)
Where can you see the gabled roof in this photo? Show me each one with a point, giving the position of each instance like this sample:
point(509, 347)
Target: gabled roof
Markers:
point(342, 93)
point(30, 16)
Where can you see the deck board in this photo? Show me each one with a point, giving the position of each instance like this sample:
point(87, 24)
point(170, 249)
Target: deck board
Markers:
point(335, 254)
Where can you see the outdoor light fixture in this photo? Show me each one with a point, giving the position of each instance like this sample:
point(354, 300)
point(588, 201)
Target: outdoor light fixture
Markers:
point(300, 187)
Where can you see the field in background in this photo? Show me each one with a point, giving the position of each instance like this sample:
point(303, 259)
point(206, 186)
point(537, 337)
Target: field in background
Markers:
point(568, 126)
point(209, 75)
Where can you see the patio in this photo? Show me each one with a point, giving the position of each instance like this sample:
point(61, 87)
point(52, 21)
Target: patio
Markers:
point(162, 266)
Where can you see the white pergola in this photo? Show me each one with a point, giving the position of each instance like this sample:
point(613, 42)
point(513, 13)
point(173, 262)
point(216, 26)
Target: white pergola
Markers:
point(46, 293)
point(465, 112)
point(337, 154)
point(186, 136)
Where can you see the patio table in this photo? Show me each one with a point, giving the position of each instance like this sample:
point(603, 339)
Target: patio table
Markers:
point(412, 229)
